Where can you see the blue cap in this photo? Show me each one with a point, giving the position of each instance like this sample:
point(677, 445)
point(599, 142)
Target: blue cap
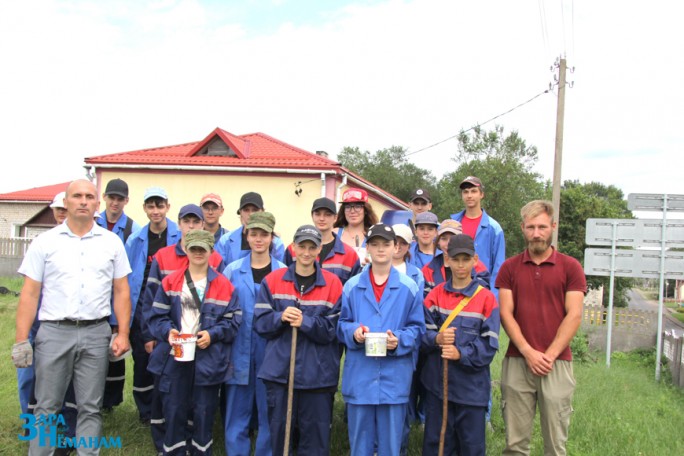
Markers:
point(191, 209)
point(155, 192)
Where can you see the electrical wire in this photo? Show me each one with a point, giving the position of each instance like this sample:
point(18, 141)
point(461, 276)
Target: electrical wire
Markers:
point(479, 124)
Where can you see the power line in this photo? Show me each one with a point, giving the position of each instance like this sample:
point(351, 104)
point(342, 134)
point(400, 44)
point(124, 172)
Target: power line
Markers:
point(479, 124)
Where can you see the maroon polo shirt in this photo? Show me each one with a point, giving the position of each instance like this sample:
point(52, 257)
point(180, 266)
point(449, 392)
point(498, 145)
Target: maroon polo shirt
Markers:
point(539, 296)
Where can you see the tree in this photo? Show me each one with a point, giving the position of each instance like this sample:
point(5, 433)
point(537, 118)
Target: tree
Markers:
point(389, 169)
point(580, 202)
point(504, 164)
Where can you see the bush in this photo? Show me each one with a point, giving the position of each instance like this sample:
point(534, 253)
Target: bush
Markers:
point(580, 347)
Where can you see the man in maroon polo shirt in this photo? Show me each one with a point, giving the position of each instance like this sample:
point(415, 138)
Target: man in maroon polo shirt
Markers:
point(540, 298)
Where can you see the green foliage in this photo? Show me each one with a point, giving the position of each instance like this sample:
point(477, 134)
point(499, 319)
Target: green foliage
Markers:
point(579, 345)
point(389, 169)
point(504, 164)
point(580, 202)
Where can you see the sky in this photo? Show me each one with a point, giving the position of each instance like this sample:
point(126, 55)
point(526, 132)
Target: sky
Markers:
point(86, 78)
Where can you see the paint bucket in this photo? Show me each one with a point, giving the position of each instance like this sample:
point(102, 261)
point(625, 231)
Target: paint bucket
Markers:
point(184, 347)
point(376, 344)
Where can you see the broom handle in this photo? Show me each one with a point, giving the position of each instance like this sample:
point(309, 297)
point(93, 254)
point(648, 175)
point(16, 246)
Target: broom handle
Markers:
point(290, 392)
point(445, 402)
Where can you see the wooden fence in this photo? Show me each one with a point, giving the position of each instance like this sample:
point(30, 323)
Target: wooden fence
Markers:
point(631, 328)
point(12, 252)
point(673, 350)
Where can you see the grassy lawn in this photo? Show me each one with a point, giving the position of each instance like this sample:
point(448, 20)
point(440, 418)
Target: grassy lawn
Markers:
point(618, 411)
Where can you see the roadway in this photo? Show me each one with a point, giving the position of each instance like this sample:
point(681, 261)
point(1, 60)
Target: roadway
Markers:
point(637, 301)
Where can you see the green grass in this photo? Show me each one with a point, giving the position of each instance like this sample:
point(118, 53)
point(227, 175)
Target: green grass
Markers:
point(618, 411)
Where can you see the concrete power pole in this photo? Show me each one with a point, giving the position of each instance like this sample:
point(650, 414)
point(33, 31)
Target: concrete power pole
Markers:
point(560, 118)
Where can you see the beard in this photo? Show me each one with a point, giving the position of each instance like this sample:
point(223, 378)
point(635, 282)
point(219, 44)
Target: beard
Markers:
point(538, 246)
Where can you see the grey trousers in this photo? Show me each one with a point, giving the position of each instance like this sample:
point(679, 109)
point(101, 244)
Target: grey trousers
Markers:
point(63, 352)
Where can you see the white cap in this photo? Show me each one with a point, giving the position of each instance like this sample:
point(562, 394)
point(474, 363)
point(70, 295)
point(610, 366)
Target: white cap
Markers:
point(58, 201)
point(403, 231)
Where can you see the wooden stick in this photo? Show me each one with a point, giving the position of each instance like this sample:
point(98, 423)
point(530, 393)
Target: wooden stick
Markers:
point(290, 392)
point(445, 405)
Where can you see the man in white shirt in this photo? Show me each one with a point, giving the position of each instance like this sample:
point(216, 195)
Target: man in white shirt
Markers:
point(76, 266)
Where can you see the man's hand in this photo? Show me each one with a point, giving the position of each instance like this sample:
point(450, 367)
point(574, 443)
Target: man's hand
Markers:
point(538, 362)
point(203, 339)
point(448, 337)
point(22, 354)
point(121, 344)
point(293, 316)
point(392, 340)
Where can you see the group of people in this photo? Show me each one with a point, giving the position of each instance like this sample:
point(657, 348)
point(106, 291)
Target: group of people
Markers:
point(272, 323)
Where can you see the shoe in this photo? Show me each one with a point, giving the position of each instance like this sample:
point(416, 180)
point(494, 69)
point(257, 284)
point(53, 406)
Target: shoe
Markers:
point(63, 451)
point(145, 421)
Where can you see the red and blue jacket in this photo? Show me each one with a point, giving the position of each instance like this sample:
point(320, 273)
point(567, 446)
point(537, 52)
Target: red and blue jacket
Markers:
point(317, 362)
point(342, 260)
point(434, 273)
point(166, 261)
point(477, 339)
point(220, 316)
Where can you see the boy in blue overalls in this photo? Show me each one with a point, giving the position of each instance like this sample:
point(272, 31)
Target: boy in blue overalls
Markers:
point(376, 389)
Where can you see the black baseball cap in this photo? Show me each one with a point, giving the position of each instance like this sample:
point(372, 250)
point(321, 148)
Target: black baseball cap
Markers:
point(381, 230)
point(421, 194)
point(308, 233)
point(460, 243)
point(252, 198)
point(324, 203)
point(117, 187)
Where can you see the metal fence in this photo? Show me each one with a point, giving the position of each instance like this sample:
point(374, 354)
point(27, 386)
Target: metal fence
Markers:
point(673, 350)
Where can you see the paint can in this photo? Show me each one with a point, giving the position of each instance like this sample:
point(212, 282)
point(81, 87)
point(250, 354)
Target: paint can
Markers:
point(184, 347)
point(376, 344)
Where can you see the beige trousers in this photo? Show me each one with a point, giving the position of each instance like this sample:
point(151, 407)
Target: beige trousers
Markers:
point(522, 392)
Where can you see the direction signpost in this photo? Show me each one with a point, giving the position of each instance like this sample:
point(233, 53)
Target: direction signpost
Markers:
point(651, 238)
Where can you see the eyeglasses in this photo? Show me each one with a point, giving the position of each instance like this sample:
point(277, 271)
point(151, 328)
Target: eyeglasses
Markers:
point(352, 207)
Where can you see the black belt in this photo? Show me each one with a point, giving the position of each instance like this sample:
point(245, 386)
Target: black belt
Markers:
point(77, 322)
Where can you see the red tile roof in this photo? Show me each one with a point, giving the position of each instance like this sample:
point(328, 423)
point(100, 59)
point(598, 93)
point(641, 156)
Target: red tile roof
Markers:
point(37, 194)
point(255, 150)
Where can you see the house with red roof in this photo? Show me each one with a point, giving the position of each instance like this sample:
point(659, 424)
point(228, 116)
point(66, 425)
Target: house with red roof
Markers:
point(288, 177)
point(27, 213)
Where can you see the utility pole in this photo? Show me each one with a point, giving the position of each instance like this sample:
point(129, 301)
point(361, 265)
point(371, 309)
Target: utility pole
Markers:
point(560, 118)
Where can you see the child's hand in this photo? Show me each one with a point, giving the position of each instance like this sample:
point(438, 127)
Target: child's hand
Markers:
point(293, 316)
point(451, 352)
point(173, 335)
point(360, 334)
point(203, 339)
point(392, 340)
point(448, 337)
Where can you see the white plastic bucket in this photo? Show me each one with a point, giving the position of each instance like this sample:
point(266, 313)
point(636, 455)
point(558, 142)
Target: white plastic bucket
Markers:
point(376, 344)
point(184, 347)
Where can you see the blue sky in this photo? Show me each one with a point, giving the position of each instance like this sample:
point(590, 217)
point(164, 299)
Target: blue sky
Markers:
point(84, 78)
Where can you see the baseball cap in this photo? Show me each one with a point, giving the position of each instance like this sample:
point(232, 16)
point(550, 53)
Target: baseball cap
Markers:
point(117, 187)
point(191, 209)
point(251, 198)
point(426, 218)
point(420, 194)
point(213, 197)
point(381, 230)
point(199, 238)
point(355, 195)
point(404, 232)
point(461, 243)
point(155, 192)
point(308, 233)
point(473, 181)
point(449, 226)
point(324, 203)
point(58, 200)
point(262, 220)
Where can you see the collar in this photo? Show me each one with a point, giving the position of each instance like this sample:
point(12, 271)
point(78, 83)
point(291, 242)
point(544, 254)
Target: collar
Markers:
point(551, 259)
point(289, 275)
point(467, 291)
point(179, 250)
point(63, 228)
